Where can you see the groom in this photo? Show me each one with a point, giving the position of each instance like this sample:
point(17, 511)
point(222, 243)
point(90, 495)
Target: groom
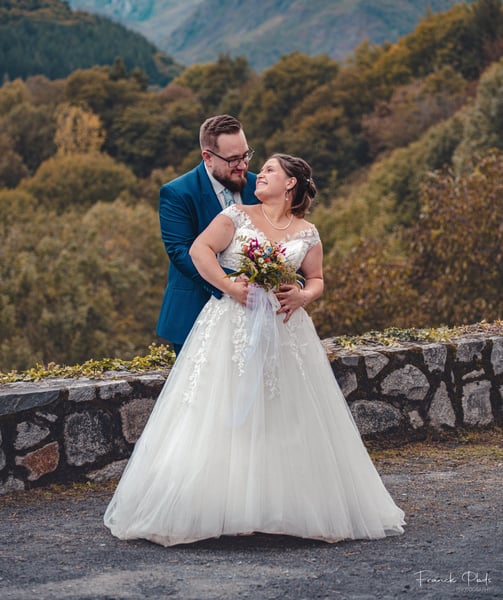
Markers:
point(187, 205)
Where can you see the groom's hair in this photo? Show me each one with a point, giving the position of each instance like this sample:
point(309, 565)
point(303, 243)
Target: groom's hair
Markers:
point(215, 126)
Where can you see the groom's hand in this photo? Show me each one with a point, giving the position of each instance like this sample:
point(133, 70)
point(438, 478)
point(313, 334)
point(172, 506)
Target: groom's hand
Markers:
point(290, 297)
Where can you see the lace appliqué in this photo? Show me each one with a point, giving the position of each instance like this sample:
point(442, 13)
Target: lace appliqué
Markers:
point(296, 244)
point(239, 338)
point(205, 326)
point(238, 216)
point(271, 378)
point(310, 235)
point(299, 350)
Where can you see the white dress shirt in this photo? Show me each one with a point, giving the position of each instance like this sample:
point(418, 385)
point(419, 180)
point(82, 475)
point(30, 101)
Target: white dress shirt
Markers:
point(219, 188)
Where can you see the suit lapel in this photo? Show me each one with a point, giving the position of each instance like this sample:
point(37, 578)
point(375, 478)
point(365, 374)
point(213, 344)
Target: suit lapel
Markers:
point(209, 206)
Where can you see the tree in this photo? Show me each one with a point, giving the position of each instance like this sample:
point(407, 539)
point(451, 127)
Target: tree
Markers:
point(31, 129)
point(100, 90)
point(78, 131)
point(12, 94)
point(155, 132)
point(483, 122)
point(44, 91)
point(485, 32)
point(457, 245)
point(12, 167)
point(368, 288)
point(280, 90)
point(387, 195)
point(322, 138)
point(78, 285)
point(218, 84)
point(78, 181)
point(412, 109)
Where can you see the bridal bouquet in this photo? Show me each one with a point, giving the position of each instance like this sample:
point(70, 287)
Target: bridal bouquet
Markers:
point(265, 265)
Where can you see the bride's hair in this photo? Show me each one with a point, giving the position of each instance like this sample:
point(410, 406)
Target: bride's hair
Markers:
point(304, 190)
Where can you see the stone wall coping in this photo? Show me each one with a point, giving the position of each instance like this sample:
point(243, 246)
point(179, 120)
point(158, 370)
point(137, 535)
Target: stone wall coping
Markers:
point(84, 429)
point(19, 396)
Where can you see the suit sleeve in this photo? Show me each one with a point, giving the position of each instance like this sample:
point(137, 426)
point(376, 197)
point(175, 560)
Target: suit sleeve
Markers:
point(179, 228)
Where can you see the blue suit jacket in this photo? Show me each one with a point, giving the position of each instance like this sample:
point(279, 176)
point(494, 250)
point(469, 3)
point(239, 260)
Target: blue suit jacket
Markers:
point(187, 205)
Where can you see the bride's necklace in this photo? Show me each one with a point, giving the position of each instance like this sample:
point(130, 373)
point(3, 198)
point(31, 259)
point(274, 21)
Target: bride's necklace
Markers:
point(272, 224)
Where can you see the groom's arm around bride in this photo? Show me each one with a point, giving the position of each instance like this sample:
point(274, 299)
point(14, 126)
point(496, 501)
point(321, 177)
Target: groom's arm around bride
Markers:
point(186, 207)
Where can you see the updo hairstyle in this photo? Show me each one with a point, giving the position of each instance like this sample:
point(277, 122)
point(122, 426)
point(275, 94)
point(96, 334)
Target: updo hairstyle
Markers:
point(304, 191)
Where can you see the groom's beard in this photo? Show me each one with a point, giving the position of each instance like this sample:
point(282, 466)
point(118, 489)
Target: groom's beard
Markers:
point(235, 182)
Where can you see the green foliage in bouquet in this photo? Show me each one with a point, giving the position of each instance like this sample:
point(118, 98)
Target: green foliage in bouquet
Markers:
point(265, 265)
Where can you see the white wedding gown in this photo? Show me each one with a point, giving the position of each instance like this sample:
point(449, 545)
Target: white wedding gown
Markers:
point(251, 433)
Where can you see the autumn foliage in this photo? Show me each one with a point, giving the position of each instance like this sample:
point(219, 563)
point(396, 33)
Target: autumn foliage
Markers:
point(406, 144)
point(457, 245)
point(447, 269)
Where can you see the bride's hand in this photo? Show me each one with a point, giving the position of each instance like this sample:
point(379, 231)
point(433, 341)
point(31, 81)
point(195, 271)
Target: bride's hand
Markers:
point(239, 290)
point(291, 298)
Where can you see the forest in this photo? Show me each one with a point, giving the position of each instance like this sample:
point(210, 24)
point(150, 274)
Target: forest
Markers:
point(45, 36)
point(406, 143)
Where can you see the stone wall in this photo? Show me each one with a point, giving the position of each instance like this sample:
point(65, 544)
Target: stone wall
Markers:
point(64, 430)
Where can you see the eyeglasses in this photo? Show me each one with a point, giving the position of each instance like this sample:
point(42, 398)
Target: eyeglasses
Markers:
point(234, 162)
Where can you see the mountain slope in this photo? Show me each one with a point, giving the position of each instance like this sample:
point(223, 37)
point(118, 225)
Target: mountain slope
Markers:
point(155, 19)
point(264, 30)
point(195, 31)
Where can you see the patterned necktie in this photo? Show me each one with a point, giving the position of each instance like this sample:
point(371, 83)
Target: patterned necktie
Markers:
point(228, 197)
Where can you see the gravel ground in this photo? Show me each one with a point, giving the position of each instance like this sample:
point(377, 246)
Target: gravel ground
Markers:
point(53, 544)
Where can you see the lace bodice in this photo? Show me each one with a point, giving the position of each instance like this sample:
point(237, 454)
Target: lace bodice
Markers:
point(296, 245)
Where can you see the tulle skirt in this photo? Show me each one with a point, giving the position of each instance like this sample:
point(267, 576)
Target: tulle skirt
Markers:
point(251, 433)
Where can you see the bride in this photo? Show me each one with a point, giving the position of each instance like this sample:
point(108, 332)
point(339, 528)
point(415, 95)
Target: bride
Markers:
point(251, 432)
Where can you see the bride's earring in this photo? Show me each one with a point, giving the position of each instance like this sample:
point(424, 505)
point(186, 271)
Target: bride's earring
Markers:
point(289, 190)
